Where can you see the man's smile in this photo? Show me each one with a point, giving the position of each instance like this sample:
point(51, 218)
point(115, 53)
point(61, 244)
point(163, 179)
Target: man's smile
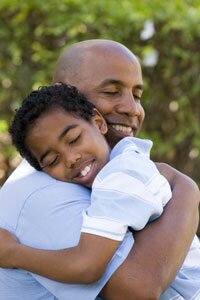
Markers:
point(123, 130)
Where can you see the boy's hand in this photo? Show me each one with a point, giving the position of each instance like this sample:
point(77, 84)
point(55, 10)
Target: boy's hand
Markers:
point(8, 245)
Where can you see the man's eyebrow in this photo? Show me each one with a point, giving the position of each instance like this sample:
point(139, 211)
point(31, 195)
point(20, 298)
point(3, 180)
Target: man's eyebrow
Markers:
point(119, 82)
point(61, 135)
point(111, 81)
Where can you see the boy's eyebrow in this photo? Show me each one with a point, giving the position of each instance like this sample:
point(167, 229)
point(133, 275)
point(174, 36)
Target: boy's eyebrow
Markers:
point(66, 130)
point(61, 135)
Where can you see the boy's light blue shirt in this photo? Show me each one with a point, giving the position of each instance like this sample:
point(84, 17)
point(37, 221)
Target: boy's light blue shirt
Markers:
point(131, 191)
point(47, 214)
point(128, 191)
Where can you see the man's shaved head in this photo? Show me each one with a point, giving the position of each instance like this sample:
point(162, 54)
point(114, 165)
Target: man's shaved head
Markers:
point(72, 62)
point(110, 76)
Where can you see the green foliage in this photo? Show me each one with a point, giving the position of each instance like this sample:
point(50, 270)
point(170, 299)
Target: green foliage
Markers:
point(33, 33)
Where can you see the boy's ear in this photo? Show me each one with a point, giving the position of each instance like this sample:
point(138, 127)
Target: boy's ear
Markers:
point(99, 121)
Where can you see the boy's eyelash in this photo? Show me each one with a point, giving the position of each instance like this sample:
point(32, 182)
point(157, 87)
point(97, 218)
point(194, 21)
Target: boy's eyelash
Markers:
point(53, 162)
point(110, 93)
point(76, 139)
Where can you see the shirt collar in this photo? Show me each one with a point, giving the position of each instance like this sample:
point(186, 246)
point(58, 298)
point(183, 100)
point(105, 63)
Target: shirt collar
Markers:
point(139, 145)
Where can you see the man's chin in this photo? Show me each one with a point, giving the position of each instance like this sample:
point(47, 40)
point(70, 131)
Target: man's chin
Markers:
point(113, 137)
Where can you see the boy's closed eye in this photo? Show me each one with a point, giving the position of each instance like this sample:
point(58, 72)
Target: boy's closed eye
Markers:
point(51, 163)
point(75, 139)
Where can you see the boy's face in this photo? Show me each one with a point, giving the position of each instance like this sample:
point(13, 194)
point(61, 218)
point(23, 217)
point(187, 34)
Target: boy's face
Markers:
point(69, 148)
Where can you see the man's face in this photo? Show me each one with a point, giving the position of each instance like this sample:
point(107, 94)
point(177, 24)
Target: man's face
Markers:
point(69, 148)
point(112, 81)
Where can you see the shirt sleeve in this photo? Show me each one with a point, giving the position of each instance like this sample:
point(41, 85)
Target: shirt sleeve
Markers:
point(124, 199)
point(104, 227)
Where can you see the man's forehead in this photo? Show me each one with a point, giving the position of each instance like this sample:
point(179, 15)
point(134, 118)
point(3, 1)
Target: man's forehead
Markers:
point(111, 70)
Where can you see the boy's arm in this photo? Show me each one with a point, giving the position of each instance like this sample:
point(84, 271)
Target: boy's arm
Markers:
point(161, 247)
point(84, 263)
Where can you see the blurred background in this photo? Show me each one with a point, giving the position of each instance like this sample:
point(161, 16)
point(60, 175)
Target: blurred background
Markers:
point(165, 35)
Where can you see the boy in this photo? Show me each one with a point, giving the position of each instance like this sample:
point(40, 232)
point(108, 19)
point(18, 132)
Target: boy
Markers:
point(59, 132)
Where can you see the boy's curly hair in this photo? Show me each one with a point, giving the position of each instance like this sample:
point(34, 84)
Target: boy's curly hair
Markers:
point(46, 99)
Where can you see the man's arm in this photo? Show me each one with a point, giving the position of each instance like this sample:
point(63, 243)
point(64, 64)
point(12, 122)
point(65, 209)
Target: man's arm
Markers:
point(161, 247)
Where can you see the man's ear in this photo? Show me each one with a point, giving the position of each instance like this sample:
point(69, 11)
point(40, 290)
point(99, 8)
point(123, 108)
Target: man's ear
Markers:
point(99, 121)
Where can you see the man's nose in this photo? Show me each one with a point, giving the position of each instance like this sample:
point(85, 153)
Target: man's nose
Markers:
point(71, 158)
point(129, 105)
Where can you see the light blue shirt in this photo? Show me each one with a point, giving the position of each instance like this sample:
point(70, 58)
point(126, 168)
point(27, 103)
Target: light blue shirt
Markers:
point(47, 214)
point(130, 191)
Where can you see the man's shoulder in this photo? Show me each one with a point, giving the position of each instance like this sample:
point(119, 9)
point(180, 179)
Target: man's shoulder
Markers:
point(25, 181)
point(30, 192)
point(25, 175)
point(22, 183)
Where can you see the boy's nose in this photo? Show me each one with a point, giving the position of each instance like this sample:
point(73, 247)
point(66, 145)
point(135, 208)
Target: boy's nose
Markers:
point(72, 159)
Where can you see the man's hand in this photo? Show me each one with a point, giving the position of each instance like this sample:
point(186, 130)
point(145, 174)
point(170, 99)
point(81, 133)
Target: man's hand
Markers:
point(8, 244)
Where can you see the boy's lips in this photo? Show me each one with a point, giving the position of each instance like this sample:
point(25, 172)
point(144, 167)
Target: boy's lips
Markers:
point(86, 170)
point(84, 173)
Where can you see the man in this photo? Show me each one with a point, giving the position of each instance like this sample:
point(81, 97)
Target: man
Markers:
point(45, 213)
